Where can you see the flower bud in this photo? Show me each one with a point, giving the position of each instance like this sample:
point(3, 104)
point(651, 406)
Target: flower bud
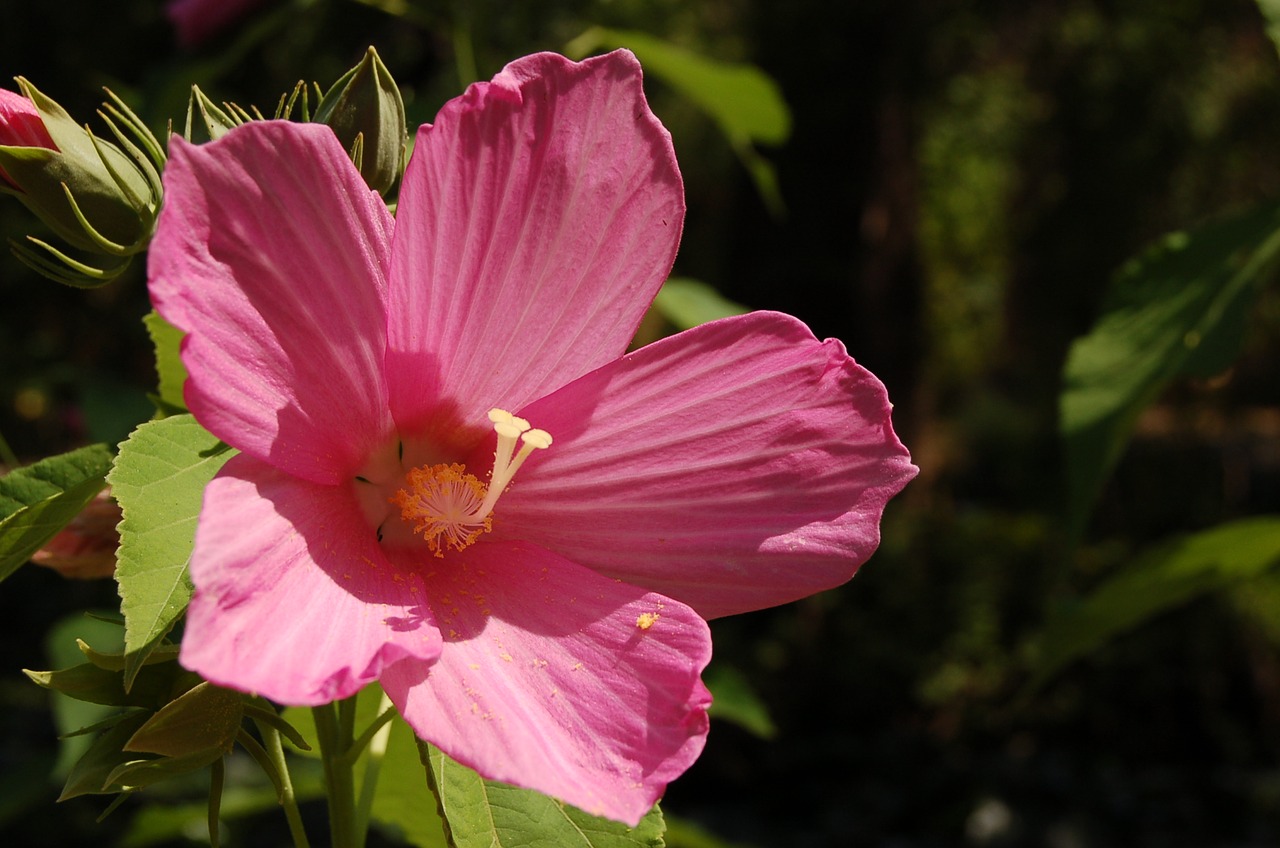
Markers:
point(86, 548)
point(366, 112)
point(87, 190)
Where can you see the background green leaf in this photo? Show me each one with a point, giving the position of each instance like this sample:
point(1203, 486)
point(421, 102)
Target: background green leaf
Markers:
point(1271, 13)
point(167, 340)
point(487, 814)
point(159, 480)
point(36, 501)
point(1177, 310)
point(687, 303)
point(734, 700)
point(1161, 579)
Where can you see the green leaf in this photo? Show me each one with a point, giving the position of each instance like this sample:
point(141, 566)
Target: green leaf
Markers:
point(404, 802)
point(172, 374)
point(159, 480)
point(1177, 310)
point(744, 101)
point(487, 814)
point(1161, 579)
point(687, 303)
point(734, 700)
point(36, 501)
point(686, 834)
point(1271, 14)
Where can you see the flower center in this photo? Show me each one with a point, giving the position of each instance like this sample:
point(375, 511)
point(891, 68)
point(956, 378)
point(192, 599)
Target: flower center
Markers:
point(452, 508)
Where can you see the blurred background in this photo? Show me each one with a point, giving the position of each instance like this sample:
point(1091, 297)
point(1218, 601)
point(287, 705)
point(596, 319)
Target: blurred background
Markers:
point(960, 182)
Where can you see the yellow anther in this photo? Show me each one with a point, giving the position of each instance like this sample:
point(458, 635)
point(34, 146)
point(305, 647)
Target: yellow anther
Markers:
point(452, 508)
point(443, 503)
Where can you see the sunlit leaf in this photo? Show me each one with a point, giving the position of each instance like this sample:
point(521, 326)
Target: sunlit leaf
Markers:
point(487, 814)
point(159, 480)
point(1177, 310)
point(167, 339)
point(1163, 578)
point(687, 303)
point(36, 501)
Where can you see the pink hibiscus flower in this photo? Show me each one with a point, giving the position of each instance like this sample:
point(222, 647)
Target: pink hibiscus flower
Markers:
point(551, 634)
point(21, 125)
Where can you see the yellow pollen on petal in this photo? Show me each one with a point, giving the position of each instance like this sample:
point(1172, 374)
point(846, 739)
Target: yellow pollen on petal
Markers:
point(452, 508)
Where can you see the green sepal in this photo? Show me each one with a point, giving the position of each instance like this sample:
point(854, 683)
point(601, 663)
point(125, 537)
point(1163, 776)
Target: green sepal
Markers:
point(117, 662)
point(139, 773)
point(110, 190)
point(365, 110)
point(89, 774)
point(204, 718)
point(217, 120)
point(153, 686)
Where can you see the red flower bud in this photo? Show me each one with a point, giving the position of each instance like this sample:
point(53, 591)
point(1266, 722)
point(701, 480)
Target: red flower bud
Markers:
point(21, 125)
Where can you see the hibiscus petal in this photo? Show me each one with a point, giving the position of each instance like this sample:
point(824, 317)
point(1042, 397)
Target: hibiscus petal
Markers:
point(271, 253)
point(537, 220)
point(738, 465)
point(294, 599)
point(556, 679)
point(20, 122)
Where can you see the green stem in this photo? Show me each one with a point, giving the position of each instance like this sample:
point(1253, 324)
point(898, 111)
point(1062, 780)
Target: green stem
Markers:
point(288, 801)
point(377, 748)
point(334, 724)
point(216, 775)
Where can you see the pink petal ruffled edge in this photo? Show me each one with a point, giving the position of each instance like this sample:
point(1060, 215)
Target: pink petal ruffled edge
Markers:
point(739, 465)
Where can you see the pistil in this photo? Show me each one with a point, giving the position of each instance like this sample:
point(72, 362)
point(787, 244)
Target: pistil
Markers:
point(451, 507)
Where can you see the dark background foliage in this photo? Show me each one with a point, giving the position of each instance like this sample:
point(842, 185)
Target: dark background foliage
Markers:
point(961, 182)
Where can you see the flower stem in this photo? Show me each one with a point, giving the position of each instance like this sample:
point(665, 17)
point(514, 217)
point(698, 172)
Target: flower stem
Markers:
point(377, 748)
point(334, 724)
point(275, 752)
